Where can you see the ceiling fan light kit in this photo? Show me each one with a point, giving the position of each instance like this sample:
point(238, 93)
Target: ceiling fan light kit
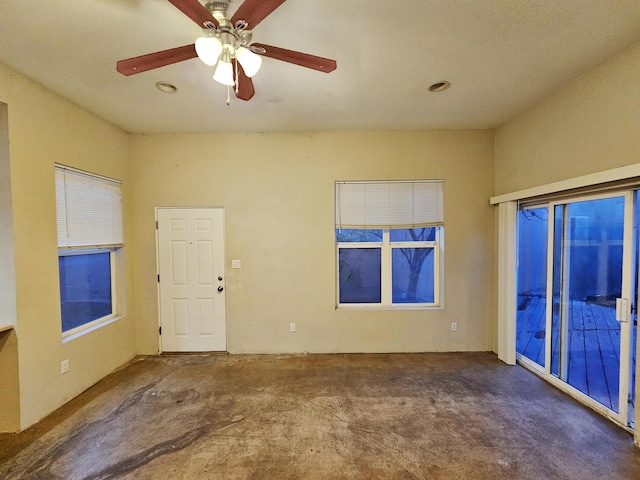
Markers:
point(225, 45)
point(250, 62)
point(208, 49)
point(224, 73)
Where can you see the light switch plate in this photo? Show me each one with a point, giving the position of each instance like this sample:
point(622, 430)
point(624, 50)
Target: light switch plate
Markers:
point(236, 264)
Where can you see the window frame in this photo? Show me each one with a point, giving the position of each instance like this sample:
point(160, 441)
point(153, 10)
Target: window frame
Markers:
point(386, 247)
point(106, 319)
point(114, 247)
point(391, 205)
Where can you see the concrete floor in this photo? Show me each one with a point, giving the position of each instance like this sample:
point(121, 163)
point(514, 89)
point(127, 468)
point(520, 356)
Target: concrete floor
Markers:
point(413, 416)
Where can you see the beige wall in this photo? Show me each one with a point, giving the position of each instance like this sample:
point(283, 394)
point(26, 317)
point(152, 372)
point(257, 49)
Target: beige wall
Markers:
point(277, 190)
point(44, 129)
point(590, 125)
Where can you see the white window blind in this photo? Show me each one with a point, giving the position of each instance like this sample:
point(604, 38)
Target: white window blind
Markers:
point(386, 205)
point(88, 209)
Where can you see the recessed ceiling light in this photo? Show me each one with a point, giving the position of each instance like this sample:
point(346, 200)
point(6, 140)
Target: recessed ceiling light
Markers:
point(439, 87)
point(166, 87)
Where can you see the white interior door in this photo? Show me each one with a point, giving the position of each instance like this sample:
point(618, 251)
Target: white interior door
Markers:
point(191, 279)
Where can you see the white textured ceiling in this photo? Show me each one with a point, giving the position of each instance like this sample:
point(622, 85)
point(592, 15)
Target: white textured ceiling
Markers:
point(500, 56)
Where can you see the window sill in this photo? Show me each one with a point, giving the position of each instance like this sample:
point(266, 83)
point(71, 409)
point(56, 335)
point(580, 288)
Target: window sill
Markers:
point(81, 331)
point(6, 328)
point(388, 307)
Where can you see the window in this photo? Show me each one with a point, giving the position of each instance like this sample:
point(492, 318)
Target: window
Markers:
point(389, 243)
point(90, 240)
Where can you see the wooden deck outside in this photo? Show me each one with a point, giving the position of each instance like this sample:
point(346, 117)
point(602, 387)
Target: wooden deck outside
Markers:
point(593, 345)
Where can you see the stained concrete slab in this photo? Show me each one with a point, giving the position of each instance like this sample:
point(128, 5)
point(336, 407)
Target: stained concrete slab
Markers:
point(400, 416)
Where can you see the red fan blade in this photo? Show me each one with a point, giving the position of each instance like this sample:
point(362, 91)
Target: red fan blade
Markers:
point(303, 59)
point(195, 11)
point(254, 11)
point(245, 84)
point(155, 60)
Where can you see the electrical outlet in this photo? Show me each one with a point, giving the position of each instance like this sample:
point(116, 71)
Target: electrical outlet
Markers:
point(454, 327)
point(292, 327)
point(64, 366)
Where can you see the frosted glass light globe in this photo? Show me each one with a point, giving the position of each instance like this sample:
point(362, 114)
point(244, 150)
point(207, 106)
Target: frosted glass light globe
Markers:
point(208, 49)
point(250, 61)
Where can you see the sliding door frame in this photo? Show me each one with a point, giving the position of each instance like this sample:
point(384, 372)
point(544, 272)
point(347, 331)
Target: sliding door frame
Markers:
point(627, 177)
point(628, 268)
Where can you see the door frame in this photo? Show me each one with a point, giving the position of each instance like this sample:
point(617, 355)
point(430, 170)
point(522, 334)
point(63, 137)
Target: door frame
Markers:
point(628, 175)
point(621, 417)
point(157, 242)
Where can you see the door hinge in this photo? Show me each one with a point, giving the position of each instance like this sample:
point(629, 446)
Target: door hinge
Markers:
point(156, 224)
point(160, 330)
point(158, 278)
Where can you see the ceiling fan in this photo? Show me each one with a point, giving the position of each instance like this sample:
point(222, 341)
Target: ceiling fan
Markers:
point(225, 44)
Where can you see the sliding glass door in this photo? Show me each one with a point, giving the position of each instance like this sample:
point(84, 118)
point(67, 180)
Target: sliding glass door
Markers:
point(531, 324)
point(588, 239)
point(577, 271)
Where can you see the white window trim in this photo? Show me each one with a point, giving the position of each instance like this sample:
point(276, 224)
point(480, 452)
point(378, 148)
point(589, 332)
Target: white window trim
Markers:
point(386, 247)
point(88, 328)
point(107, 319)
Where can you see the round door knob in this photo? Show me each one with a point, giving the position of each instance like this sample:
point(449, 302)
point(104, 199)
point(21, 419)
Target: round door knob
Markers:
point(220, 289)
point(220, 278)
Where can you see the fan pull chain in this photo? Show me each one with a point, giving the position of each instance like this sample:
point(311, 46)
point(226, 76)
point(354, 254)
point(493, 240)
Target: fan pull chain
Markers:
point(235, 64)
point(235, 84)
